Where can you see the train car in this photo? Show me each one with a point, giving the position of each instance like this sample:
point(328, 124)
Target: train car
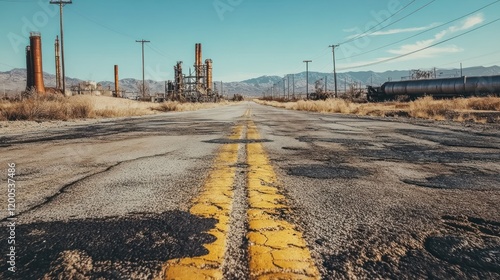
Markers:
point(441, 88)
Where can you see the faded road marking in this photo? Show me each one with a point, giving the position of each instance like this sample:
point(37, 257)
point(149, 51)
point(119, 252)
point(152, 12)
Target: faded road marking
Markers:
point(276, 248)
point(215, 201)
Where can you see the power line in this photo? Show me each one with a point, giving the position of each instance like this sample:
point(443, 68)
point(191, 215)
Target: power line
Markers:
point(420, 33)
point(103, 25)
point(470, 58)
point(421, 49)
point(154, 49)
point(362, 35)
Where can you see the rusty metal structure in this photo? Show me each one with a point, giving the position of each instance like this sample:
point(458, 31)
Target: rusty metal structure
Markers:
point(194, 87)
point(58, 65)
point(34, 64)
point(116, 93)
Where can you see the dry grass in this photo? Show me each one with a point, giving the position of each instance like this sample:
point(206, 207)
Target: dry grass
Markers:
point(45, 107)
point(475, 109)
point(55, 107)
point(179, 107)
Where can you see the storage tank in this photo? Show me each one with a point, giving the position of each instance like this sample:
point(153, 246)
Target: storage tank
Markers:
point(480, 85)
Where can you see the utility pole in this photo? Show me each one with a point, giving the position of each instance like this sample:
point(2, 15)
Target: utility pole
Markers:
point(293, 87)
point(326, 84)
point(58, 64)
point(307, 77)
point(461, 71)
point(288, 77)
point(345, 84)
point(61, 3)
point(334, 70)
point(143, 84)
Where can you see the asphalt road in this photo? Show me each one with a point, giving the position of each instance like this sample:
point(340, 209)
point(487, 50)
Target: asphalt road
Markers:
point(252, 192)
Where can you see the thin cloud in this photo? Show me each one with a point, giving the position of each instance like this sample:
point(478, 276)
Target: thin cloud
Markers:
point(389, 32)
point(466, 24)
point(403, 30)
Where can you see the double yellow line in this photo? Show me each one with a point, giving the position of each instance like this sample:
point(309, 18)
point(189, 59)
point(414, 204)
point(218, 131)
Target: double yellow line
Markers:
point(276, 248)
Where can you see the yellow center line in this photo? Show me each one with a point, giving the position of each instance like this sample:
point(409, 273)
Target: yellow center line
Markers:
point(276, 248)
point(215, 201)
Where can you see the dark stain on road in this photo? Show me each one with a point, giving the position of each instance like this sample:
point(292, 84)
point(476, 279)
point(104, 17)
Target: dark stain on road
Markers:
point(236, 141)
point(471, 242)
point(294, 148)
point(462, 178)
point(115, 129)
point(350, 142)
point(319, 171)
point(135, 242)
point(452, 139)
point(459, 181)
point(463, 248)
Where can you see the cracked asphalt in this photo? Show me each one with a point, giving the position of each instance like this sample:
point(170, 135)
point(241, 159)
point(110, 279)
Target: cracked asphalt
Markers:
point(254, 192)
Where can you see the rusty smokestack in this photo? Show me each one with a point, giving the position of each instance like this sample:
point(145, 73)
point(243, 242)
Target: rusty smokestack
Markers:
point(208, 80)
point(29, 70)
point(117, 93)
point(58, 65)
point(197, 64)
point(197, 55)
point(36, 57)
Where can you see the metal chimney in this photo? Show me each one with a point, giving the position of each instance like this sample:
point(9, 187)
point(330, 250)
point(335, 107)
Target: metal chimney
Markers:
point(117, 94)
point(36, 58)
point(179, 79)
point(197, 63)
point(29, 70)
point(208, 80)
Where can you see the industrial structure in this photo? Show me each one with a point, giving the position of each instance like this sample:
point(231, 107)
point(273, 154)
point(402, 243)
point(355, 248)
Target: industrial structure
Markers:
point(195, 87)
point(441, 88)
point(34, 69)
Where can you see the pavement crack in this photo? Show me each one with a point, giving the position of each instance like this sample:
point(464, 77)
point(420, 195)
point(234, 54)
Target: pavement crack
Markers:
point(65, 187)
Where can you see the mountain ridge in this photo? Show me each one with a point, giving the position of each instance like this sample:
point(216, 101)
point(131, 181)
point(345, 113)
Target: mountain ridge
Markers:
point(14, 81)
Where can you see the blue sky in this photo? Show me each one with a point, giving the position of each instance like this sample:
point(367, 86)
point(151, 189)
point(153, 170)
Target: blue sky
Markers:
point(250, 38)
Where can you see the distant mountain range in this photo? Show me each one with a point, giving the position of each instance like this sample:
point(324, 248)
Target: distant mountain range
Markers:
point(14, 81)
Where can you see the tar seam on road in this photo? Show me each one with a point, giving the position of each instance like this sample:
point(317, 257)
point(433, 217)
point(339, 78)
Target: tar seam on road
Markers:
point(236, 257)
point(214, 201)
